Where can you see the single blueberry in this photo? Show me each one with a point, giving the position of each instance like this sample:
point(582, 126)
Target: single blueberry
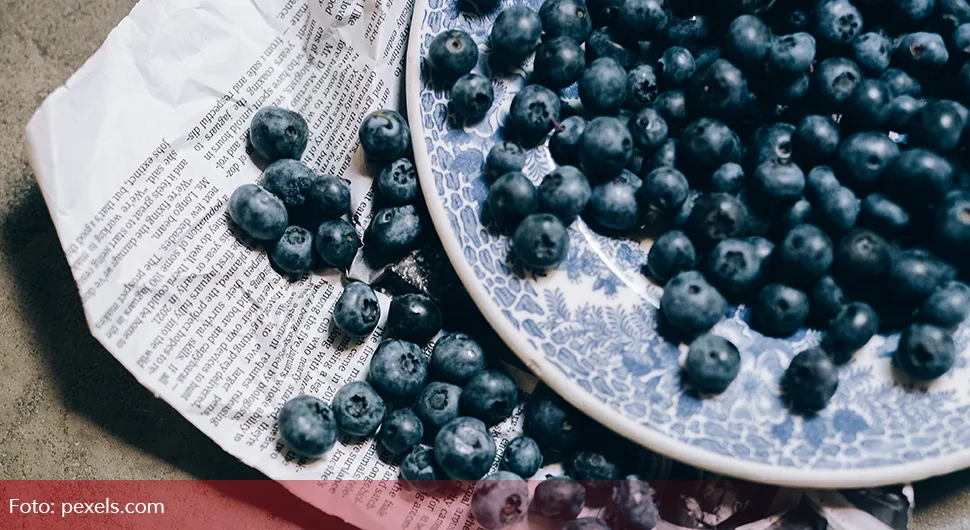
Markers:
point(401, 431)
point(456, 358)
point(293, 253)
point(849, 331)
point(613, 205)
point(691, 305)
point(960, 41)
point(780, 310)
point(770, 142)
point(791, 54)
point(863, 157)
point(677, 65)
point(500, 500)
point(559, 62)
point(917, 177)
point(881, 214)
point(464, 449)
point(337, 243)
point(664, 189)
point(921, 53)
point(748, 41)
point(594, 471)
point(393, 232)
point(452, 53)
point(872, 51)
point(642, 19)
point(826, 300)
point(385, 136)
point(278, 133)
point(504, 157)
point(437, 405)
point(712, 363)
point(672, 106)
point(398, 182)
point(554, 424)
point(642, 88)
point(868, 107)
point(259, 213)
point(516, 33)
point(664, 156)
point(729, 178)
point(901, 83)
point(289, 180)
point(358, 409)
point(564, 193)
point(413, 317)
point(914, 274)
point(633, 504)
point(800, 212)
point(534, 112)
point(733, 267)
point(603, 86)
point(490, 396)
point(564, 144)
point(820, 181)
point(947, 306)
point(810, 380)
point(541, 241)
point(838, 211)
point(398, 370)
point(671, 254)
point(938, 125)
point(511, 199)
point(910, 13)
point(861, 257)
point(472, 95)
point(307, 425)
point(834, 81)
point(778, 181)
point(705, 145)
point(327, 198)
point(720, 90)
point(716, 217)
point(418, 470)
point(566, 18)
point(925, 352)
point(522, 457)
point(815, 140)
point(837, 23)
point(559, 498)
point(357, 311)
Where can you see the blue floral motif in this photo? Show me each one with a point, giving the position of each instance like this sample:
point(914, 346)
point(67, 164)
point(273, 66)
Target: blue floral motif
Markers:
point(594, 320)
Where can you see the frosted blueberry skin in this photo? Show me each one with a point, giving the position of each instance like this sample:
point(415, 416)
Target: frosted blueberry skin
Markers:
point(398, 182)
point(452, 53)
point(401, 431)
point(413, 317)
point(464, 449)
point(307, 425)
point(393, 232)
point(472, 95)
point(810, 381)
point(357, 311)
point(490, 396)
point(560, 498)
point(522, 456)
point(293, 252)
point(437, 405)
point(258, 213)
point(277, 133)
point(456, 358)
point(385, 136)
point(290, 180)
point(398, 370)
point(358, 409)
point(501, 500)
point(925, 352)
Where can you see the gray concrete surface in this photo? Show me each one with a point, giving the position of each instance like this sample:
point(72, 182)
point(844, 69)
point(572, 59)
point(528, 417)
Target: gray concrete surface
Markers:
point(68, 410)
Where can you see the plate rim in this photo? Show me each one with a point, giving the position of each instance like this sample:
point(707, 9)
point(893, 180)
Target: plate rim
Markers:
point(602, 413)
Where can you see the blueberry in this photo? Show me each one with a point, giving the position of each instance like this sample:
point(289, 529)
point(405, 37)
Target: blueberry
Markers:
point(606, 147)
point(707, 144)
point(884, 216)
point(452, 53)
point(863, 157)
point(633, 504)
point(716, 217)
point(278, 133)
point(501, 500)
point(603, 86)
point(952, 224)
point(849, 331)
point(472, 95)
point(398, 370)
point(672, 106)
point(862, 256)
point(502, 158)
point(515, 33)
point(418, 470)
point(401, 431)
point(385, 136)
point(554, 424)
point(559, 498)
point(259, 213)
point(815, 140)
point(522, 457)
point(729, 178)
point(810, 380)
point(293, 252)
point(954, 13)
point(464, 449)
point(307, 425)
point(937, 126)
point(914, 274)
point(837, 23)
point(398, 182)
point(564, 193)
point(586, 523)
point(289, 180)
point(826, 300)
point(559, 62)
point(413, 317)
point(872, 51)
point(664, 189)
point(393, 232)
point(490, 396)
point(868, 107)
point(613, 205)
point(511, 199)
point(791, 54)
point(564, 144)
point(642, 19)
point(671, 254)
point(566, 18)
point(838, 211)
point(691, 305)
point(358, 409)
point(541, 241)
point(800, 212)
point(917, 177)
point(533, 112)
point(327, 198)
point(664, 156)
point(720, 90)
point(902, 109)
point(649, 129)
point(834, 81)
point(947, 306)
point(921, 52)
point(779, 181)
point(780, 310)
point(733, 267)
point(748, 41)
point(594, 471)
point(642, 88)
point(770, 142)
point(900, 83)
point(437, 405)
point(604, 42)
point(693, 32)
point(456, 358)
point(712, 363)
point(677, 65)
point(337, 243)
point(357, 311)
point(925, 352)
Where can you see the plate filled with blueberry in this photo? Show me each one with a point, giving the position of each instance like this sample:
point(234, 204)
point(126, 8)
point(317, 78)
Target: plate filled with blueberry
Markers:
point(736, 232)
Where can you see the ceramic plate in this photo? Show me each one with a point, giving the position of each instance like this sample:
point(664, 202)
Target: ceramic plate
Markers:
point(588, 328)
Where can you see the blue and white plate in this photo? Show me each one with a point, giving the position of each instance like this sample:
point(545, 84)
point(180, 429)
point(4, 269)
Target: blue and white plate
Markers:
point(588, 329)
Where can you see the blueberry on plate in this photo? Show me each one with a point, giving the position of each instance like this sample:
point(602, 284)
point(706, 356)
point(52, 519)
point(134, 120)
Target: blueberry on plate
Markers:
point(671, 254)
point(778, 181)
point(664, 189)
point(780, 310)
point(837, 23)
point(603, 86)
point(413, 317)
point(804, 255)
point(452, 53)
point(418, 470)
point(564, 193)
point(511, 199)
point(914, 274)
point(861, 257)
point(863, 158)
point(401, 431)
point(500, 500)
point(849, 331)
point(691, 305)
point(642, 88)
point(289, 180)
point(472, 95)
point(560, 498)
point(337, 243)
point(648, 129)
point(385, 136)
point(826, 300)
point(534, 112)
point(748, 41)
point(541, 241)
point(559, 62)
point(358, 409)
point(917, 177)
point(810, 380)
point(719, 90)
point(947, 306)
point(815, 140)
point(614, 205)
point(522, 457)
point(729, 178)
point(293, 252)
point(515, 34)
point(734, 268)
point(398, 370)
point(791, 54)
point(712, 363)
point(456, 358)
point(357, 311)
point(633, 504)
point(490, 396)
point(834, 81)
point(564, 143)
point(554, 424)
point(586, 523)
point(504, 157)
point(605, 148)
point(257, 212)
point(566, 18)
point(464, 449)
point(437, 405)
point(278, 133)
point(393, 232)
point(925, 352)
point(327, 198)
point(307, 425)
point(398, 182)
point(716, 217)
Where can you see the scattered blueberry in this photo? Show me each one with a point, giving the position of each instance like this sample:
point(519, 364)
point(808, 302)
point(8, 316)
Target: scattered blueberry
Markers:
point(834, 81)
point(464, 449)
point(873, 51)
point(515, 33)
point(337, 243)
point(900, 83)
point(293, 253)
point(259, 213)
point(398, 182)
point(613, 205)
point(677, 65)
point(490, 396)
point(566, 18)
point(522, 457)
point(437, 405)
point(778, 181)
point(560, 498)
point(849, 331)
point(504, 157)
point(837, 23)
point(327, 198)
point(826, 300)
point(921, 52)
point(748, 41)
point(278, 133)
point(672, 106)
point(881, 214)
point(289, 180)
point(500, 500)
point(642, 19)
point(863, 157)
point(729, 178)
point(357, 311)
point(511, 199)
point(413, 317)
point(559, 62)
point(938, 125)
point(456, 358)
point(780, 310)
point(564, 144)
point(838, 211)
point(642, 88)
point(358, 409)
point(401, 431)
point(691, 305)
point(393, 232)
point(472, 95)
point(307, 425)
point(914, 274)
point(554, 424)
point(534, 112)
point(633, 504)
point(718, 90)
point(541, 241)
point(791, 54)
point(861, 257)
point(734, 267)
point(947, 306)
point(804, 255)
point(594, 471)
point(603, 86)
point(418, 470)
point(705, 145)
point(398, 370)
point(664, 189)
point(671, 254)
point(385, 136)
point(716, 217)
point(564, 193)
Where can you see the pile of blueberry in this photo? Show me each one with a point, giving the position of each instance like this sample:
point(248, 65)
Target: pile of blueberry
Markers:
point(302, 216)
point(807, 158)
